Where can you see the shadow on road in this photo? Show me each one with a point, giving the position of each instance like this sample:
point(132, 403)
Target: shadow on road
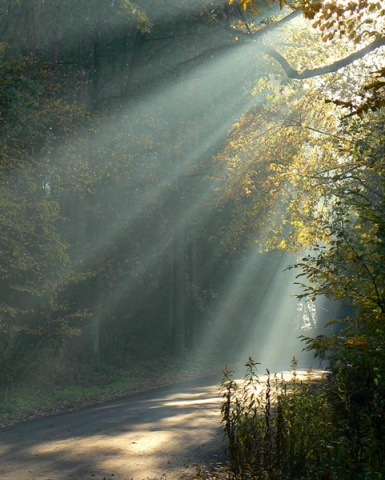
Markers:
point(150, 435)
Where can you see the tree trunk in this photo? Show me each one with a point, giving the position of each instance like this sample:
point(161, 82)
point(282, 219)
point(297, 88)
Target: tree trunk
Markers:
point(95, 85)
point(133, 64)
point(191, 317)
point(178, 306)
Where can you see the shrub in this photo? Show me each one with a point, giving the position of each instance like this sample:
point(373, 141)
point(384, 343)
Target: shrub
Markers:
point(295, 429)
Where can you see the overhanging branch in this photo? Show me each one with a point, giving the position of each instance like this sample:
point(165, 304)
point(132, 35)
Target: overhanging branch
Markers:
point(334, 67)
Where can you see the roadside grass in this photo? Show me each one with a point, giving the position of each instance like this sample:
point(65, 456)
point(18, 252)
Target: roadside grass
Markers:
point(51, 389)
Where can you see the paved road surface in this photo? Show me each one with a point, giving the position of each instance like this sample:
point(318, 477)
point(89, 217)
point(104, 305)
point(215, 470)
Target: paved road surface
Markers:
point(154, 435)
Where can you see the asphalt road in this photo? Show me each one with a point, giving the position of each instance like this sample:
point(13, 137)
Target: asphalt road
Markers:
point(153, 435)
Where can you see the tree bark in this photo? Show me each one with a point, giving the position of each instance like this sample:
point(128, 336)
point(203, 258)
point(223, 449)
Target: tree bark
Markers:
point(333, 67)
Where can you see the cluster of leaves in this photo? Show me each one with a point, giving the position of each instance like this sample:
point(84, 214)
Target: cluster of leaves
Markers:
point(36, 267)
point(355, 20)
point(273, 157)
point(354, 24)
point(349, 266)
point(358, 22)
point(376, 92)
point(300, 429)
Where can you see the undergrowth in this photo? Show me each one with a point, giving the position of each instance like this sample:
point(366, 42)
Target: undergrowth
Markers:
point(299, 429)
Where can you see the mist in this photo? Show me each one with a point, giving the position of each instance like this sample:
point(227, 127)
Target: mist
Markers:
point(124, 152)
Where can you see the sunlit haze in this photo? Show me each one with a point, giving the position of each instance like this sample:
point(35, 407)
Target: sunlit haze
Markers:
point(128, 155)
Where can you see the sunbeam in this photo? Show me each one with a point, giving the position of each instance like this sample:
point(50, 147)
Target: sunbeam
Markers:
point(126, 184)
point(189, 188)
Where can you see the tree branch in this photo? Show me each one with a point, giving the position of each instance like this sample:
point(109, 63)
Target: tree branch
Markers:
point(288, 69)
point(335, 66)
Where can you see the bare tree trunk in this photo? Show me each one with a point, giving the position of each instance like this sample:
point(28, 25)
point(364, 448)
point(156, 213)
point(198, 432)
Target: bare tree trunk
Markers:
point(32, 19)
point(192, 320)
point(133, 64)
point(171, 293)
point(95, 85)
point(95, 327)
point(178, 334)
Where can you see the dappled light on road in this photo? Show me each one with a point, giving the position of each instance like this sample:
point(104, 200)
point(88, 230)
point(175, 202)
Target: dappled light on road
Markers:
point(152, 434)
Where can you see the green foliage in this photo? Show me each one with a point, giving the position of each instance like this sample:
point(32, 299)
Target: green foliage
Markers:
point(100, 185)
point(90, 191)
point(300, 429)
point(348, 266)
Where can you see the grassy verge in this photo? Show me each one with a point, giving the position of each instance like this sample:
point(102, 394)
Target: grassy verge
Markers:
point(52, 390)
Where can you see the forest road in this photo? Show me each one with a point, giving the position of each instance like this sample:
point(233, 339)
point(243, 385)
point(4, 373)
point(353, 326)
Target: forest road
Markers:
point(153, 435)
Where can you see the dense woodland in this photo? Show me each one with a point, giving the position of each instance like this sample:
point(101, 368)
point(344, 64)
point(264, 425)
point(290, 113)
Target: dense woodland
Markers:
point(151, 150)
point(113, 207)
point(105, 178)
point(172, 172)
